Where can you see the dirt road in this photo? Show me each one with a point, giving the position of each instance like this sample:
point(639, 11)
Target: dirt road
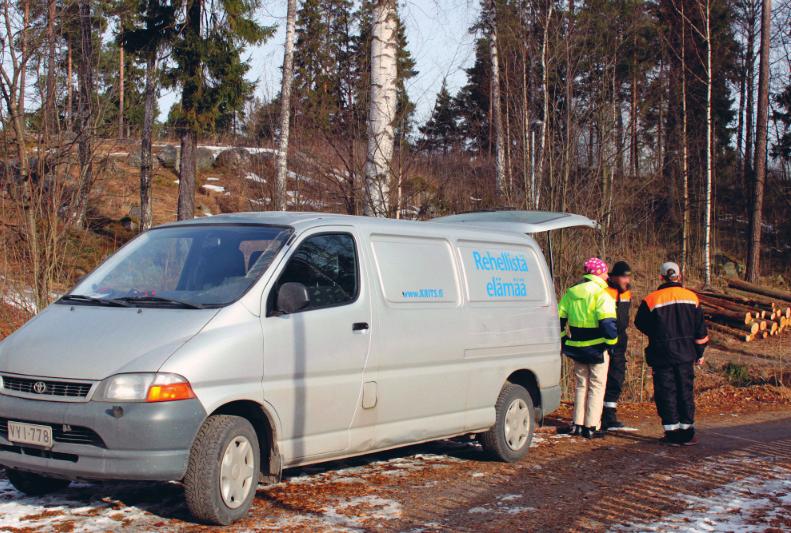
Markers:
point(738, 478)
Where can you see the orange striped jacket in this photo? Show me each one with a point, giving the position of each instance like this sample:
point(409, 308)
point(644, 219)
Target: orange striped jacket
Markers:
point(672, 319)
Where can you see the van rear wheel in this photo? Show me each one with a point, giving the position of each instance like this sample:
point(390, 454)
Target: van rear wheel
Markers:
point(510, 438)
point(223, 470)
point(35, 484)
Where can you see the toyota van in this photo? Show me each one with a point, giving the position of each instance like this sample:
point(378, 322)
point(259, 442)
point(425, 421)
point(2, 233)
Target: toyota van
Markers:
point(218, 352)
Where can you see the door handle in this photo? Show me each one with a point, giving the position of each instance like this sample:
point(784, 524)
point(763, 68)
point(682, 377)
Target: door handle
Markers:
point(360, 326)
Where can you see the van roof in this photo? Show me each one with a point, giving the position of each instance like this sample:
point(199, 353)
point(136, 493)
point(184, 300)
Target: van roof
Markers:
point(303, 220)
point(517, 222)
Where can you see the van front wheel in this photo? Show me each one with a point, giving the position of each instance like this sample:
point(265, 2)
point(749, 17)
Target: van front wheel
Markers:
point(223, 470)
point(510, 437)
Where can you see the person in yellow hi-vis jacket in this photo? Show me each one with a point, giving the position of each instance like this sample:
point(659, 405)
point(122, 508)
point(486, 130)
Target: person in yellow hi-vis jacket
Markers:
point(588, 329)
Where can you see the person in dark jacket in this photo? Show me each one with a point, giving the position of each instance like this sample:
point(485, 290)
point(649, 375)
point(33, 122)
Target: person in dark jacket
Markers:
point(620, 290)
point(673, 320)
point(587, 331)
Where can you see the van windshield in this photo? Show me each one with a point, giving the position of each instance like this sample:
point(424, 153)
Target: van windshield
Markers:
point(192, 266)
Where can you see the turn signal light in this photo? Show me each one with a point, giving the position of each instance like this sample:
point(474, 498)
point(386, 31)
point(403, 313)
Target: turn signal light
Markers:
point(169, 392)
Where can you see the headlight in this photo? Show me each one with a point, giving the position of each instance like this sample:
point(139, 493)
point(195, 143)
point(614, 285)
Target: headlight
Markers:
point(144, 387)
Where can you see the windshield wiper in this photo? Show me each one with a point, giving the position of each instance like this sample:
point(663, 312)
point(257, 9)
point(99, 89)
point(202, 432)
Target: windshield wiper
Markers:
point(82, 298)
point(158, 299)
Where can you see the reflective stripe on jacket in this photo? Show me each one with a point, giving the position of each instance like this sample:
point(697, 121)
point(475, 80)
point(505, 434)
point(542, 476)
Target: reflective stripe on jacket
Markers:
point(673, 320)
point(623, 303)
point(589, 312)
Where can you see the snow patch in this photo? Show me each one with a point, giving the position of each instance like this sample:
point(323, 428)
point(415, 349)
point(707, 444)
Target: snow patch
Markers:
point(51, 513)
point(214, 188)
point(750, 504)
point(252, 176)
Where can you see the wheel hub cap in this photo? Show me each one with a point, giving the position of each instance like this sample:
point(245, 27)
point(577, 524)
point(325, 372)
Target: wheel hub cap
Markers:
point(517, 424)
point(237, 473)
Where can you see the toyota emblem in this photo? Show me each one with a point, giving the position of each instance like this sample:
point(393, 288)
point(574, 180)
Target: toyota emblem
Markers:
point(39, 387)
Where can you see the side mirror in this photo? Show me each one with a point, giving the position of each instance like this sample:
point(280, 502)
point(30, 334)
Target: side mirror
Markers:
point(292, 297)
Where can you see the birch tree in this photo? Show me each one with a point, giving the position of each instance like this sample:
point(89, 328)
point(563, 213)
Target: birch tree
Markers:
point(499, 137)
point(707, 229)
point(280, 199)
point(685, 230)
point(381, 108)
point(756, 215)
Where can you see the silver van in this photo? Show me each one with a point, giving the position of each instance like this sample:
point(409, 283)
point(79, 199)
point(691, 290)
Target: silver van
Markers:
point(218, 352)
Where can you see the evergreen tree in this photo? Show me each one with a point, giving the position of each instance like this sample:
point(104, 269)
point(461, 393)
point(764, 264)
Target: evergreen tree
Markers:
point(441, 130)
point(782, 116)
point(473, 100)
point(210, 72)
point(322, 61)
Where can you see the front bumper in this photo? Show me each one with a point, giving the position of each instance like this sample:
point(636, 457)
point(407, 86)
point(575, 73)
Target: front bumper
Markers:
point(130, 441)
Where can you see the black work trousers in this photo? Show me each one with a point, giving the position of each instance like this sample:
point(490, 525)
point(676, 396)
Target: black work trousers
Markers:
point(616, 374)
point(674, 395)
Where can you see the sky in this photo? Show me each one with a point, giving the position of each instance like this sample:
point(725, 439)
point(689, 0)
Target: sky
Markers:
point(437, 35)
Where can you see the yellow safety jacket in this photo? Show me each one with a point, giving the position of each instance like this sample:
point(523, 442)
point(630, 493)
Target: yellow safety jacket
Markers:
point(589, 312)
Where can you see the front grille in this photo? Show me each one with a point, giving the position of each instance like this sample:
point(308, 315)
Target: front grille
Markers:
point(63, 389)
point(69, 435)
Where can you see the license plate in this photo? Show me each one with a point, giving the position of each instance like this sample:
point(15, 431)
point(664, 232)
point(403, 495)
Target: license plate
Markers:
point(30, 434)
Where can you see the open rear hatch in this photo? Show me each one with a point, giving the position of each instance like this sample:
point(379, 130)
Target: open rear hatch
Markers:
point(529, 222)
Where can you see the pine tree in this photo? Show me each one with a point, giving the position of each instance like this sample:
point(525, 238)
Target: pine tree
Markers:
point(473, 99)
point(322, 61)
point(152, 32)
point(210, 72)
point(441, 130)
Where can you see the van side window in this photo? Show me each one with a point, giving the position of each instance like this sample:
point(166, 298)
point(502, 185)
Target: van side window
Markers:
point(327, 266)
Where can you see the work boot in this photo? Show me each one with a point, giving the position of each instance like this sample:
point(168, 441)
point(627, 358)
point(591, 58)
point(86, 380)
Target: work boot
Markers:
point(609, 419)
point(687, 437)
point(672, 438)
point(571, 429)
point(592, 433)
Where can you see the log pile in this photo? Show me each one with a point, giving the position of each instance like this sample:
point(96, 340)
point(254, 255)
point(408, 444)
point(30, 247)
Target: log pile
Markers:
point(747, 311)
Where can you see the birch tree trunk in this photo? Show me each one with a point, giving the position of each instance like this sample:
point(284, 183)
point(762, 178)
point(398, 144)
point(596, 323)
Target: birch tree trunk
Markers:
point(709, 156)
point(684, 149)
point(145, 142)
point(85, 125)
point(499, 148)
point(382, 108)
point(49, 104)
point(545, 94)
point(280, 201)
point(756, 216)
point(121, 92)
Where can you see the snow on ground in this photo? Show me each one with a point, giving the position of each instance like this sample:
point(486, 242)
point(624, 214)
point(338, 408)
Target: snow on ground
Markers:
point(755, 503)
point(214, 188)
point(252, 176)
point(81, 506)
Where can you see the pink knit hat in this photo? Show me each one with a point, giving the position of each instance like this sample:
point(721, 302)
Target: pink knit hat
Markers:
point(595, 266)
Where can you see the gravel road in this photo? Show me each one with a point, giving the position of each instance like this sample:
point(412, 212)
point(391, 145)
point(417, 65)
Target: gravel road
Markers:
point(738, 478)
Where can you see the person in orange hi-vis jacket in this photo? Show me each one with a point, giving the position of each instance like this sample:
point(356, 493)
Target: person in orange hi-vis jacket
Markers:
point(672, 319)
